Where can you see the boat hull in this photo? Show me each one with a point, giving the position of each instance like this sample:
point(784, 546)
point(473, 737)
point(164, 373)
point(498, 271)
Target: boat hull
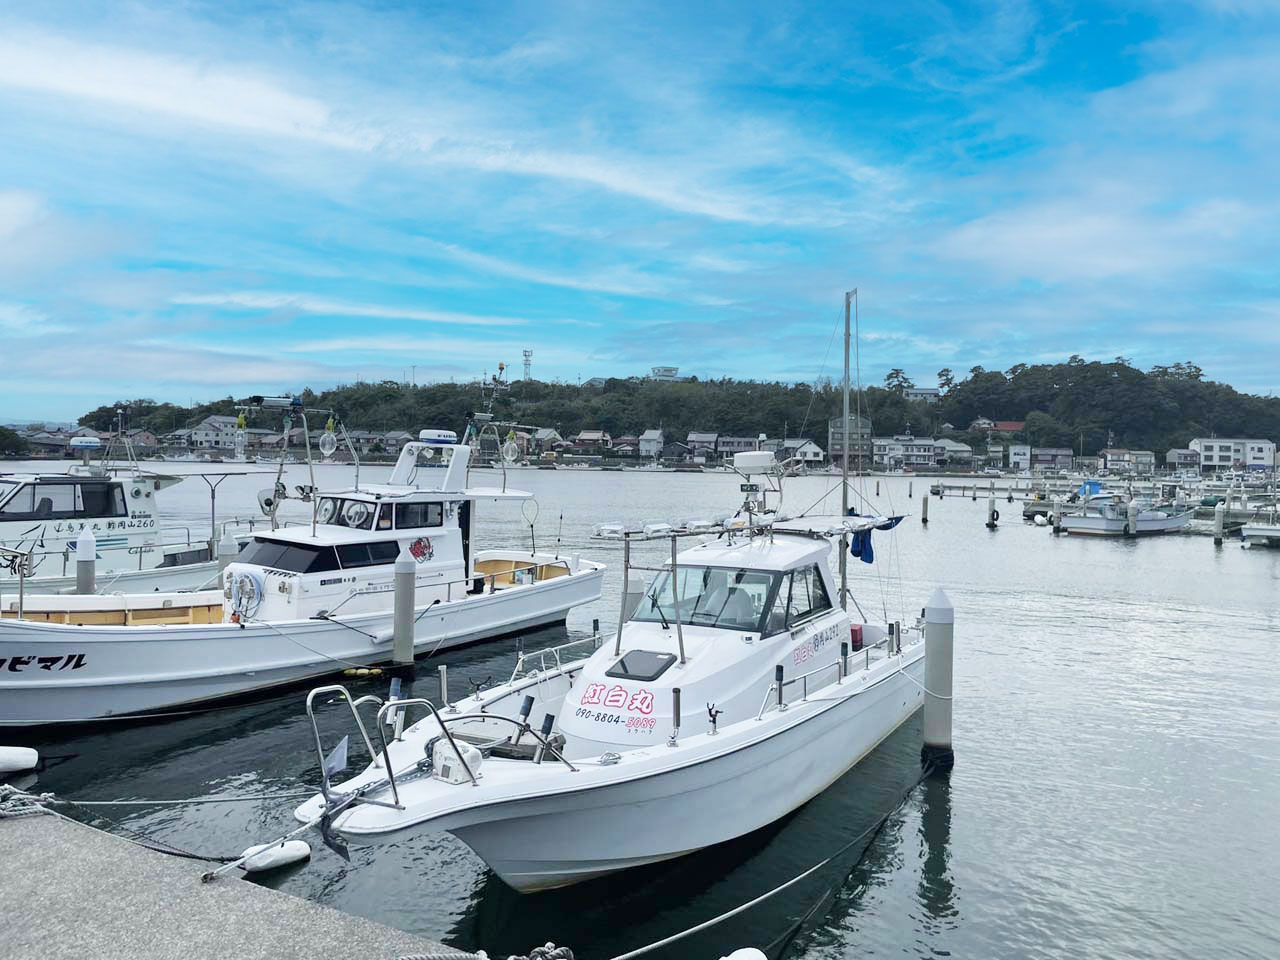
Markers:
point(68, 674)
point(779, 764)
point(1116, 526)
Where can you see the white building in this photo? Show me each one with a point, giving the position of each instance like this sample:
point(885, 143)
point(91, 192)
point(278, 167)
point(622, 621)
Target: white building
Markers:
point(666, 374)
point(1019, 456)
point(952, 451)
point(215, 432)
point(702, 444)
point(728, 446)
point(1221, 453)
point(904, 450)
point(795, 447)
point(650, 443)
point(927, 394)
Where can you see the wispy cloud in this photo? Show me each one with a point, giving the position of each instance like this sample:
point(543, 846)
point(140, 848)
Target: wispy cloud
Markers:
point(303, 303)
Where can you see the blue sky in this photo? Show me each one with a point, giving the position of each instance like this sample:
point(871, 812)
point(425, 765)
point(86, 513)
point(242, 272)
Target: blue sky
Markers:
point(201, 199)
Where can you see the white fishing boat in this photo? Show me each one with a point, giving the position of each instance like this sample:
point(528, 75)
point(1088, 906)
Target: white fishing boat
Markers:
point(1262, 531)
point(1115, 515)
point(297, 603)
point(42, 515)
point(736, 688)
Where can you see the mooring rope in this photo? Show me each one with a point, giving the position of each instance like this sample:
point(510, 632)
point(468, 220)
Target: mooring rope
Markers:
point(870, 832)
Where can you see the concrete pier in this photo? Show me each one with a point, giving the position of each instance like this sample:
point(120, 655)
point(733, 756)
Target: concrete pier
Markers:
point(74, 892)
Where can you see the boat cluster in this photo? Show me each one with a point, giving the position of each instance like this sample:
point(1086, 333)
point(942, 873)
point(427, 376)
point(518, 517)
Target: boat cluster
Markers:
point(736, 685)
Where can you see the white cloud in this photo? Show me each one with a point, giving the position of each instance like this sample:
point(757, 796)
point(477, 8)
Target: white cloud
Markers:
point(249, 300)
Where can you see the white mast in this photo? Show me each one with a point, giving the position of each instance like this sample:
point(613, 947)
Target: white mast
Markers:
point(844, 460)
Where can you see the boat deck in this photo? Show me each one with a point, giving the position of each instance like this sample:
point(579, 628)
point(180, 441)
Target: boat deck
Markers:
point(83, 893)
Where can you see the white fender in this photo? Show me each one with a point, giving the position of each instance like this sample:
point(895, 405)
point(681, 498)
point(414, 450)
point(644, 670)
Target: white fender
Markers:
point(15, 759)
point(1041, 520)
point(272, 856)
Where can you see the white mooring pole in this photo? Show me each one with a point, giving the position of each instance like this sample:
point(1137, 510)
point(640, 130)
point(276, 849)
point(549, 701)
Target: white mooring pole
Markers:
point(402, 624)
point(992, 516)
point(1131, 519)
point(86, 559)
point(924, 510)
point(1057, 514)
point(939, 646)
point(1219, 518)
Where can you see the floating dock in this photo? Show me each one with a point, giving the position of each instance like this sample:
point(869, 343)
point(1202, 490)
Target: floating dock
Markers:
point(73, 892)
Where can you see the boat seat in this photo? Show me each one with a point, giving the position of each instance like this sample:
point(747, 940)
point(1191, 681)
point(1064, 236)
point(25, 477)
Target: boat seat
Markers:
point(44, 508)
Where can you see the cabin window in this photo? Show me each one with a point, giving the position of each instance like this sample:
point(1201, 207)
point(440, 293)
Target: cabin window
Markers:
point(20, 505)
point(411, 515)
point(102, 500)
point(807, 596)
point(294, 557)
point(345, 513)
point(732, 599)
point(368, 554)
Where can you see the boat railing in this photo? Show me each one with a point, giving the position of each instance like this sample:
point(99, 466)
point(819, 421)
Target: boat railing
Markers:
point(393, 712)
point(591, 644)
point(354, 705)
point(776, 694)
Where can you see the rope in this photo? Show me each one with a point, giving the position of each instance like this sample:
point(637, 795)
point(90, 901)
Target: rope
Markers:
point(871, 832)
point(162, 803)
point(922, 686)
point(323, 656)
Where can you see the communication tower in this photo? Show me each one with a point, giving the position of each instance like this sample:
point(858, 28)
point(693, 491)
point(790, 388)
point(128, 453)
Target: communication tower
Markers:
point(528, 363)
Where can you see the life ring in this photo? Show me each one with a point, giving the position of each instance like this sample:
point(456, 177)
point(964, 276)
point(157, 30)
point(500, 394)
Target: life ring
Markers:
point(995, 514)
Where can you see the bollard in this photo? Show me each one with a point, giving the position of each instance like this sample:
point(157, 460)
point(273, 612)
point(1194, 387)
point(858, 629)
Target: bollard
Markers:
point(86, 560)
point(924, 510)
point(402, 622)
point(992, 515)
point(939, 644)
point(228, 550)
point(1131, 519)
point(1219, 516)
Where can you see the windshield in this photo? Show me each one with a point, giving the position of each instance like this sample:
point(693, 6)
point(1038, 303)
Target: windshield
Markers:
point(345, 513)
point(733, 599)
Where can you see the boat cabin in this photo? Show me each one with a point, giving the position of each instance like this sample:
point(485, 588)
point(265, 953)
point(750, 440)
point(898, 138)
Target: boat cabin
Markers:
point(343, 563)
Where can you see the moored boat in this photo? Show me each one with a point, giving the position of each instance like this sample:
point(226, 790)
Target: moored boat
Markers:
point(297, 603)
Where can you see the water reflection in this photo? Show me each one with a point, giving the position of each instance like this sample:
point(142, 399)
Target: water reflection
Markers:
point(936, 889)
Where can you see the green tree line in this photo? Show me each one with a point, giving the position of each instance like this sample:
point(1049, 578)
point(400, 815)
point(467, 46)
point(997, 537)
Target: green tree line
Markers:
point(1078, 403)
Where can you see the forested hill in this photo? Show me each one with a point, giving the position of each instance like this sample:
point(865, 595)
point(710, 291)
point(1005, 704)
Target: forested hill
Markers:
point(1063, 404)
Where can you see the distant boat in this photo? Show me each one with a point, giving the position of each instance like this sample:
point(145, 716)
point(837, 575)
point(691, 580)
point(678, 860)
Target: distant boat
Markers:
point(1108, 515)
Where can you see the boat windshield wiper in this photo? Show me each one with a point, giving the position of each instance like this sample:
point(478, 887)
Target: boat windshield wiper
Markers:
point(653, 605)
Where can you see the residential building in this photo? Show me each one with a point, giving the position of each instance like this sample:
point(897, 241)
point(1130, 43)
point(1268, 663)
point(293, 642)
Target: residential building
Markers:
point(626, 440)
point(982, 423)
point(1019, 456)
point(1009, 426)
point(393, 440)
point(214, 432)
point(995, 455)
point(666, 374)
point(593, 438)
point(951, 451)
point(702, 444)
point(1086, 464)
point(797, 448)
point(1050, 458)
point(1115, 459)
point(1181, 458)
point(858, 429)
point(547, 438)
point(904, 450)
point(1144, 461)
point(595, 382)
point(726, 447)
point(650, 444)
point(927, 394)
point(1219, 453)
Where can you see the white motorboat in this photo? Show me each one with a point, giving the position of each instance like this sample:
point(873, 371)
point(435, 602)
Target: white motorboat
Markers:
point(297, 603)
point(1263, 531)
point(782, 692)
point(42, 514)
point(1114, 515)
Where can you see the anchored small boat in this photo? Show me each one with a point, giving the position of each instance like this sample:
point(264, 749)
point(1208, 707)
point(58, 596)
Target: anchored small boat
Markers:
point(1115, 515)
point(297, 603)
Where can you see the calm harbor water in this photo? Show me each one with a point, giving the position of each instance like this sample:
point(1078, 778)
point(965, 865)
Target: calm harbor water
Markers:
point(1117, 734)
